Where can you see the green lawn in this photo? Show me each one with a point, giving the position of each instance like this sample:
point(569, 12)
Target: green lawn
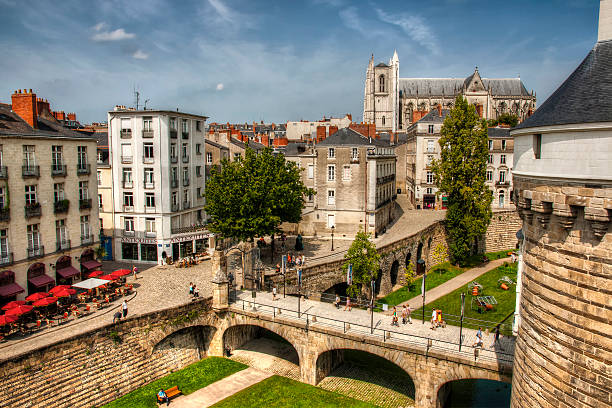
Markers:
point(450, 304)
point(279, 391)
point(189, 379)
point(437, 276)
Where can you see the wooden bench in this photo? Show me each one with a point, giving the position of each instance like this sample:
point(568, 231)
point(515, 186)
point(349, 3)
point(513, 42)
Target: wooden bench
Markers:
point(170, 392)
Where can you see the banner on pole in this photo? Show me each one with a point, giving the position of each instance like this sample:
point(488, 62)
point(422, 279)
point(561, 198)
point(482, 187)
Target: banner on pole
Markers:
point(349, 275)
point(284, 264)
point(423, 285)
point(299, 276)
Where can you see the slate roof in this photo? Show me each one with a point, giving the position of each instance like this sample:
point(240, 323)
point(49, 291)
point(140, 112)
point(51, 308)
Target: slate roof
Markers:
point(452, 86)
point(434, 117)
point(215, 144)
point(584, 97)
point(496, 132)
point(294, 149)
point(349, 137)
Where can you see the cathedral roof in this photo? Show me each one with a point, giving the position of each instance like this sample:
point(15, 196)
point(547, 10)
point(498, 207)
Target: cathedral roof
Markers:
point(451, 86)
point(584, 97)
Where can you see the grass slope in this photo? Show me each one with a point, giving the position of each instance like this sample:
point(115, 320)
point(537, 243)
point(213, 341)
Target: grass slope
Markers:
point(189, 379)
point(437, 276)
point(279, 391)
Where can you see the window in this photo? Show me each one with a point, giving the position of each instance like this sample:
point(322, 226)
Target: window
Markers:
point(490, 145)
point(198, 148)
point(502, 159)
point(127, 176)
point(331, 153)
point(150, 200)
point(100, 201)
point(311, 171)
point(198, 171)
point(30, 195)
point(128, 224)
point(83, 190)
point(501, 198)
point(502, 176)
point(489, 175)
point(128, 199)
point(331, 197)
point(173, 123)
point(430, 177)
point(2, 197)
point(4, 249)
point(430, 128)
point(174, 173)
point(537, 146)
point(381, 83)
point(148, 150)
point(209, 158)
point(429, 159)
point(57, 159)
point(126, 125)
point(490, 159)
point(147, 124)
point(184, 128)
point(81, 157)
point(185, 173)
point(29, 159)
point(199, 192)
point(99, 178)
point(198, 126)
point(58, 192)
point(33, 235)
point(331, 172)
point(85, 226)
point(100, 156)
point(503, 142)
point(429, 191)
point(173, 153)
point(354, 153)
point(346, 172)
point(331, 220)
point(186, 196)
point(150, 226)
point(430, 146)
point(174, 198)
point(383, 121)
point(126, 153)
point(149, 181)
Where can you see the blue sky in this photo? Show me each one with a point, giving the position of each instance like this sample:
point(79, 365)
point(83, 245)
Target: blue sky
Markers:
point(245, 60)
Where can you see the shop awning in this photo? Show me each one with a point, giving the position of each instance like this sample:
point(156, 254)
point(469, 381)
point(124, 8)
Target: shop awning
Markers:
point(41, 280)
point(91, 264)
point(68, 272)
point(90, 283)
point(10, 290)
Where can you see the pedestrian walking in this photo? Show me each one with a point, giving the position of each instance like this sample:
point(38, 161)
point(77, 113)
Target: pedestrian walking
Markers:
point(196, 292)
point(404, 315)
point(337, 301)
point(191, 288)
point(434, 318)
point(496, 338)
point(134, 270)
point(409, 312)
point(478, 342)
point(274, 292)
point(394, 321)
point(124, 308)
point(348, 303)
point(116, 316)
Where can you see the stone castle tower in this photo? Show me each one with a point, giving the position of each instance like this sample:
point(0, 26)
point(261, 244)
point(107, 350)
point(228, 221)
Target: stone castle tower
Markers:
point(381, 93)
point(563, 189)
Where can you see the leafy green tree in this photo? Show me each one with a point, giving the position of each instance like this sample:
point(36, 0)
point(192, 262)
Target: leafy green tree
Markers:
point(365, 260)
point(461, 174)
point(439, 255)
point(504, 119)
point(410, 274)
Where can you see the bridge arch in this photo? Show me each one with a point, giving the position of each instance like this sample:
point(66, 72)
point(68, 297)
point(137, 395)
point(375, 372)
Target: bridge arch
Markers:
point(475, 391)
point(408, 258)
point(394, 273)
point(196, 338)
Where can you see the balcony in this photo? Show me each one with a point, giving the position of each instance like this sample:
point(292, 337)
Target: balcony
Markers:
point(59, 170)
point(3, 173)
point(192, 228)
point(84, 203)
point(126, 134)
point(173, 159)
point(149, 185)
point(86, 239)
point(185, 135)
point(61, 206)
point(185, 182)
point(63, 245)
point(36, 252)
point(5, 214)
point(147, 134)
point(185, 159)
point(6, 258)
point(505, 183)
point(128, 233)
point(186, 205)
point(128, 208)
point(174, 207)
point(83, 169)
point(385, 179)
point(33, 210)
point(150, 234)
point(30, 171)
point(127, 184)
point(173, 133)
point(148, 160)
point(174, 183)
point(126, 159)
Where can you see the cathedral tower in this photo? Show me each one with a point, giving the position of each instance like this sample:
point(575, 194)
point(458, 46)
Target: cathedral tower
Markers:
point(381, 90)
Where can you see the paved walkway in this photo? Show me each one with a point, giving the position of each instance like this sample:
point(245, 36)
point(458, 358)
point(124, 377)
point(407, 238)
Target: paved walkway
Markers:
point(217, 391)
point(453, 284)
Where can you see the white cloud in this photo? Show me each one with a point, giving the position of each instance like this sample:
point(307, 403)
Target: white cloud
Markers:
point(416, 28)
point(116, 35)
point(220, 86)
point(139, 54)
point(99, 26)
point(351, 20)
point(224, 12)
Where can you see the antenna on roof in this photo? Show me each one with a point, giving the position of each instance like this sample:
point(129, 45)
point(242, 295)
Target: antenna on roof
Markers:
point(136, 97)
point(145, 105)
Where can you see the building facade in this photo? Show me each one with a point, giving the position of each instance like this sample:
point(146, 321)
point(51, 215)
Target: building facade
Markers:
point(563, 189)
point(395, 103)
point(49, 223)
point(158, 177)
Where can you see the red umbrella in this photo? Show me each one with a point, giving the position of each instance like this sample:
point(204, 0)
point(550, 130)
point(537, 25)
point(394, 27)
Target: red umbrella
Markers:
point(13, 304)
point(110, 276)
point(37, 296)
point(58, 288)
point(19, 310)
point(45, 302)
point(64, 293)
point(95, 274)
point(122, 272)
point(7, 319)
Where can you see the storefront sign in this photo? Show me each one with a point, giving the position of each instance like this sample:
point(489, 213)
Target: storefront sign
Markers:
point(188, 238)
point(139, 240)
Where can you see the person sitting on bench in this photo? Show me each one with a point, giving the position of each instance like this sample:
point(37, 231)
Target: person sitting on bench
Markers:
point(162, 397)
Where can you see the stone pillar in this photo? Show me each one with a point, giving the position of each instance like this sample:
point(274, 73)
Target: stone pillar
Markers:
point(220, 283)
point(424, 391)
point(218, 262)
point(308, 367)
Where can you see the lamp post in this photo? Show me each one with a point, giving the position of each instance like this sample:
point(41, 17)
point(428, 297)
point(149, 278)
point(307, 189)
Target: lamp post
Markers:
point(462, 312)
point(332, 228)
point(372, 283)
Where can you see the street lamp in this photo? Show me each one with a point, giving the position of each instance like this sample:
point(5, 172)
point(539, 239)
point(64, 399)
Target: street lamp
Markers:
point(332, 228)
point(372, 285)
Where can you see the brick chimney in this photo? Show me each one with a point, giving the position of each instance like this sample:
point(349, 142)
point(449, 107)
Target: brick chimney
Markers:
point(332, 130)
point(42, 107)
point(72, 116)
point(24, 104)
point(439, 110)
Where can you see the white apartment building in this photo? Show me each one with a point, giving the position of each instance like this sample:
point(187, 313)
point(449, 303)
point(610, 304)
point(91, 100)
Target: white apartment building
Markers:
point(158, 176)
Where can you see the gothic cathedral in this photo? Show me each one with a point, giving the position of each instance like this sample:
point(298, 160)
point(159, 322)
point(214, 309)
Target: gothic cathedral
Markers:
point(394, 103)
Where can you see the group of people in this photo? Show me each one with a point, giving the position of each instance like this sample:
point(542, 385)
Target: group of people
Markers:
point(292, 262)
point(406, 315)
point(436, 319)
point(193, 290)
point(496, 338)
point(121, 314)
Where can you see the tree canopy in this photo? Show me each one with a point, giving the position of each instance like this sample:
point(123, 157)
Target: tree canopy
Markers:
point(461, 174)
point(504, 119)
point(365, 260)
point(251, 196)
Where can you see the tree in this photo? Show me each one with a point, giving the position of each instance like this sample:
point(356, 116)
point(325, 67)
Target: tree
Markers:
point(439, 255)
point(461, 174)
point(251, 196)
point(504, 119)
point(410, 274)
point(365, 260)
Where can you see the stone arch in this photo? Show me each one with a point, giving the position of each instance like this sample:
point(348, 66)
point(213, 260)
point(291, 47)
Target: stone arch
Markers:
point(237, 335)
point(378, 281)
point(419, 254)
point(408, 258)
point(337, 288)
point(197, 338)
point(445, 390)
point(394, 272)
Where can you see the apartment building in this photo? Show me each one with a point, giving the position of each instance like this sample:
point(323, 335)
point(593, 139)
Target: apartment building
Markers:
point(499, 166)
point(49, 223)
point(157, 159)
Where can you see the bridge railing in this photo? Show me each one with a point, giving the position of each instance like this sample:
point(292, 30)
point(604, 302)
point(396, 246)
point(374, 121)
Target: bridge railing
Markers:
point(392, 336)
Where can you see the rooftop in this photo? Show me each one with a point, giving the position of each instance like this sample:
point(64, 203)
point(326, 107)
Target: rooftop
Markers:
point(349, 137)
